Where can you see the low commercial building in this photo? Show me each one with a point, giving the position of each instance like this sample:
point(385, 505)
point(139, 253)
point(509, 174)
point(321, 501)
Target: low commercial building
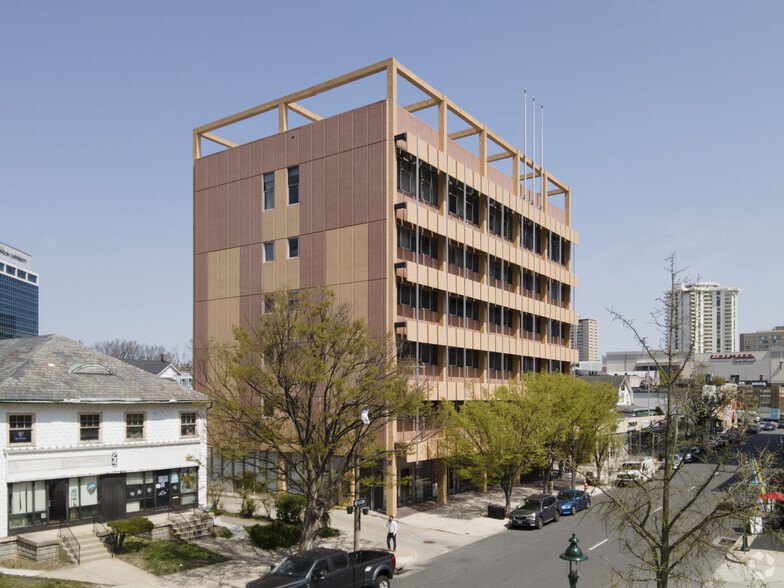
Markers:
point(87, 435)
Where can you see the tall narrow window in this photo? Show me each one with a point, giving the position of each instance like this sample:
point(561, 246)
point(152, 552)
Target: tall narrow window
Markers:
point(269, 191)
point(134, 425)
point(187, 424)
point(20, 429)
point(294, 184)
point(89, 427)
point(269, 251)
point(293, 247)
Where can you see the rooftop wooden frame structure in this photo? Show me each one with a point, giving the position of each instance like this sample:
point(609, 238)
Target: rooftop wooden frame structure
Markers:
point(523, 167)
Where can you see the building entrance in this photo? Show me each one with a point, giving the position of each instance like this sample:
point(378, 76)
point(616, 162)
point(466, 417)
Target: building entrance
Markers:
point(57, 494)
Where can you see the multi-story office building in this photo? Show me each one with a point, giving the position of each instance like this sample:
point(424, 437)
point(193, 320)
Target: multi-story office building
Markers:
point(387, 210)
point(18, 294)
point(762, 340)
point(707, 317)
point(586, 340)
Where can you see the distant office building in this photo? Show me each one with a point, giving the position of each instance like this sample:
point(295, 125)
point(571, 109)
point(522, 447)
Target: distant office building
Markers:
point(707, 317)
point(762, 340)
point(18, 294)
point(586, 340)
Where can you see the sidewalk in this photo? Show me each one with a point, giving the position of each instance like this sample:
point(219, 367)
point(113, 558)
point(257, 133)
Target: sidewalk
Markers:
point(425, 530)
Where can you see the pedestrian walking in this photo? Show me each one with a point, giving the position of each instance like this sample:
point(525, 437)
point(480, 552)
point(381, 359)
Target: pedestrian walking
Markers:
point(392, 533)
point(585, 486)
point(560, 468)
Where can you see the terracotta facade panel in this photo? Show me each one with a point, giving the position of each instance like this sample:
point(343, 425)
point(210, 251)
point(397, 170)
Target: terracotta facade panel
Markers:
point(318, 200)
point(332, 136)
point(212, 219)
point(200, 221)
point(244, 211)
point(292, 148)
point(306, 254)
point(305, 143)
point(305, 197)
point(200, 277)
point(345, 190)
point(222, 217)
point(233, 164)
point(221, 167)
point(318, 146)
point(377, 117)
point(318, 266)
point(280, 151)
point(346, 130)
point(377, 304)
point(377, 241)
point(360, 128)
point(244, 157)
point(376, 182)
point(200, 175)
point(256, 197)
point(255, 158)
point(267, 154)
point(233, 214)
point(331, 192)
point(359, 185)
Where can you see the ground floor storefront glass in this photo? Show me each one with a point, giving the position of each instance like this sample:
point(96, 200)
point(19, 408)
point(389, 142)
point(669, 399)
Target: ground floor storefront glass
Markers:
point(43, 502)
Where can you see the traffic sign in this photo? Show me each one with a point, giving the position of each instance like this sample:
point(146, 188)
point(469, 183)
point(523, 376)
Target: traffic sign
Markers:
point(360, 502)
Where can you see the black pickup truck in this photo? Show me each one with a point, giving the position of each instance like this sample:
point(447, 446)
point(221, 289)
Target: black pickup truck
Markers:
point(330, 568)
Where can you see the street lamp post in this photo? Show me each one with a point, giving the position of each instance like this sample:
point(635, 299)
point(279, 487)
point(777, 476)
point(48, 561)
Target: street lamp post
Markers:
point(574, 555)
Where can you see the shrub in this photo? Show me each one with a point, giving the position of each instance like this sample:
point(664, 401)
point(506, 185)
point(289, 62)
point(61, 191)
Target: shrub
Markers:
point(248, 508)
point(275, 535)
point(327, 532)
point(289, 508)
point(132, 526)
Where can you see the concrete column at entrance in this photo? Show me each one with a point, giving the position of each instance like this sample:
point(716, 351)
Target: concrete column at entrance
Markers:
point(281, 479)
point(441, 481)
point(391, 489)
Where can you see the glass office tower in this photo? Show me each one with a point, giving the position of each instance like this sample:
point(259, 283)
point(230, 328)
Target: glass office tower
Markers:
point(18, 295)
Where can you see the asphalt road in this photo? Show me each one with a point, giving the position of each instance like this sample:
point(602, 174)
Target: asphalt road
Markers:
point(530, 557)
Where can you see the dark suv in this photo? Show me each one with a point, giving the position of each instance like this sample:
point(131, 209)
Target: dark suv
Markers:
point(535, 511)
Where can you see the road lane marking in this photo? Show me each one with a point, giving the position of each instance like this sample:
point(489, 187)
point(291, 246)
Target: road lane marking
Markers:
point(598, 544)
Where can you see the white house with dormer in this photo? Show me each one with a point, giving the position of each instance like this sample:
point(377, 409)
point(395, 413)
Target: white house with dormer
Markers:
point(87, 435)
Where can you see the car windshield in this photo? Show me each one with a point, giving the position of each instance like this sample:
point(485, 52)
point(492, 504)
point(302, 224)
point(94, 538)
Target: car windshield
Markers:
point(293, 567)
point(566, 496)
point(631, 465)
point(531, 504)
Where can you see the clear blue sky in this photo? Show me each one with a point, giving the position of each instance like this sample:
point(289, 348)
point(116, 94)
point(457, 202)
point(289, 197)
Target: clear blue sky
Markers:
point(665, 118)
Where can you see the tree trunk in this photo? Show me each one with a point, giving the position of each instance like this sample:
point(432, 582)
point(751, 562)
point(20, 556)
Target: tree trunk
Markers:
point(311, 520)
point(506, 485)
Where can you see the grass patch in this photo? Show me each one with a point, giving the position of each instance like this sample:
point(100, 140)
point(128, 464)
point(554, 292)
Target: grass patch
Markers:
point(161, 557)
point(23, 582)
point(223, 532)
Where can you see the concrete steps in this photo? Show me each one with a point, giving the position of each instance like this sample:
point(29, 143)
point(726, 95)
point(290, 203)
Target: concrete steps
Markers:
point(189, 526)
point(91, 548)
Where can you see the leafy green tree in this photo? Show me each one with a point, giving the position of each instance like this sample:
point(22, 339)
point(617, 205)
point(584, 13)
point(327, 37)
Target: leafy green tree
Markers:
point(308, 392)
point(492, 439)
point(134, 526)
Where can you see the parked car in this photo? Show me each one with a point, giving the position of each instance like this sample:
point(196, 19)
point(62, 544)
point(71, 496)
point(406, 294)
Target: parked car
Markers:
point(677, 460)
point(636, 471)
point(573, 501)
point(331, 567)
point(753, 429)
point(722, 440)
point(535, 511)
point(769, 426)
point(686, 454)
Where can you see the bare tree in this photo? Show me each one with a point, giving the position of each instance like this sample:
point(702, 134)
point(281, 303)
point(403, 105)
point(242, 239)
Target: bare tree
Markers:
point(308, 393)
point(130, 349)
point(669, 525)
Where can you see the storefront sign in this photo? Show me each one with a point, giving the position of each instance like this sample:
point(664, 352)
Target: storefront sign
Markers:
point(735, 357)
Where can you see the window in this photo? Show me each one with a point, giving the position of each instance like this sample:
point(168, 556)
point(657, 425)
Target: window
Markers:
point(406, 178)
point(20, 429)
point(456, 357)
point(471, 307)
point(405, 238)
point(428, 354)
point(428, 184)
point(269, 191)
point(134, 424)
point(405, 172)
point(528, 234)
point(187, 424)
point(469, 211)
point(428, 245)
point(294, 185)
point(89, 427)
point(269, 251)
point(293, 247)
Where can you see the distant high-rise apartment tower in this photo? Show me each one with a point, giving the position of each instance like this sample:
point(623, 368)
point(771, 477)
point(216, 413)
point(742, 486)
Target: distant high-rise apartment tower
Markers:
point(18, 295)
point(587, 340)
point(762, 340)
point(707, 317)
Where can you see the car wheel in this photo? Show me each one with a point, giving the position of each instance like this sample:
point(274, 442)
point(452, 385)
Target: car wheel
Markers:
point(557, 515)
point(381, 582)
point(539, 522)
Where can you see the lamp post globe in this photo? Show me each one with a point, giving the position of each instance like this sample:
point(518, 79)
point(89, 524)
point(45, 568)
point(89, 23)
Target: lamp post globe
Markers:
point(574, 555)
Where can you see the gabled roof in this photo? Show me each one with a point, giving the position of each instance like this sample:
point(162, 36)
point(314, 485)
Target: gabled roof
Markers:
point(53, 368)
point(154, 366)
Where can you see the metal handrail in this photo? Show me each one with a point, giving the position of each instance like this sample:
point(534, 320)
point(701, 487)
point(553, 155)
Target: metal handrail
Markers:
point(70, 541)
point(106, 534)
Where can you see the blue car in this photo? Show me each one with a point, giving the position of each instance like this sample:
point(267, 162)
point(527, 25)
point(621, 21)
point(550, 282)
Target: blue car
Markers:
point(573, 501)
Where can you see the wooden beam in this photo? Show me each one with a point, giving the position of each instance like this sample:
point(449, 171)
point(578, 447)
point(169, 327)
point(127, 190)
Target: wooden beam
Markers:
point(464, 133)
point(300, 95)
point(499, 157)
point(304, 112)
point(283, 118)
point(218, 140)
point(414, 79)
point(556, 192)
point(417, 106)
